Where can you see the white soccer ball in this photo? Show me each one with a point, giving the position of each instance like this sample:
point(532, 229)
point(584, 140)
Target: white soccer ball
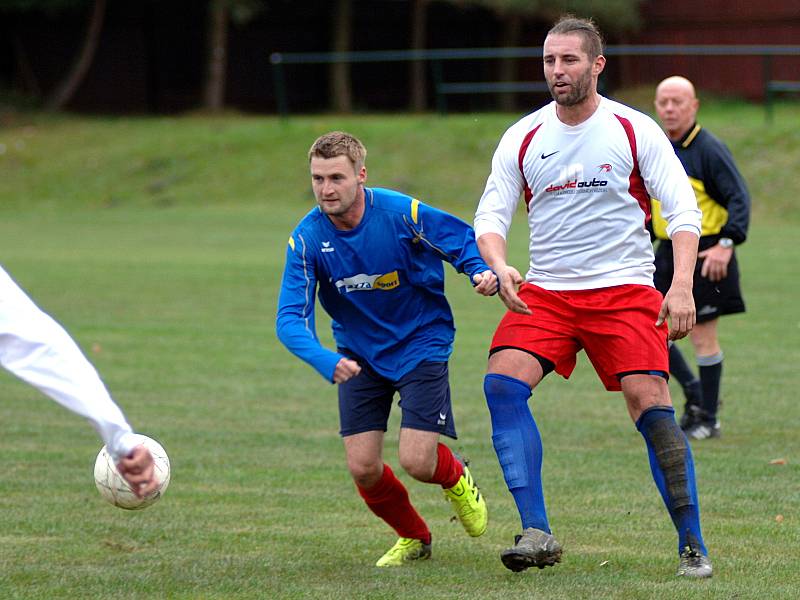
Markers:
point(113, 487)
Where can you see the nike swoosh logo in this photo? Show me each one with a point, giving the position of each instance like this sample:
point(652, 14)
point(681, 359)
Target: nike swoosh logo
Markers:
point(549, 155)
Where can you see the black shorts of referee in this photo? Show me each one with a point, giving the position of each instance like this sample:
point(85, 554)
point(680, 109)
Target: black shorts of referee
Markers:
point(712, 299)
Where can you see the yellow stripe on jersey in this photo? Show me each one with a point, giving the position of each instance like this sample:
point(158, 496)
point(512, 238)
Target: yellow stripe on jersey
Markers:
point(291, 243)
point(659, 223)
point(714, 215)
point(414, 209)
point(690, 138)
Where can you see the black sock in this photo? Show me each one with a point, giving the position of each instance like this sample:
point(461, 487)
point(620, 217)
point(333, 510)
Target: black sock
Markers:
point(710, 377)
point(679, 368)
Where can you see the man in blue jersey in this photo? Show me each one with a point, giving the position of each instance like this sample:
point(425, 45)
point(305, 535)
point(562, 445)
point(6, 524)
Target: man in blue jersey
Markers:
point(376, 256)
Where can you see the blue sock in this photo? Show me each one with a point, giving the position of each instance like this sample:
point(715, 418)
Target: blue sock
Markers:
point(518, 446)
point(673, 471)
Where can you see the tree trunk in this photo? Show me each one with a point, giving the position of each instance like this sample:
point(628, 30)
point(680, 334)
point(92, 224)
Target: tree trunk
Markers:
point(28, 82)
point(418, 80)
point(340, 84)
point(64, 92)
point(512, 30)
point(214, 92)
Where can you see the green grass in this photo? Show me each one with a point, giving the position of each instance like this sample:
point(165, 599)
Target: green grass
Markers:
point(53, 163)
point(159, 244)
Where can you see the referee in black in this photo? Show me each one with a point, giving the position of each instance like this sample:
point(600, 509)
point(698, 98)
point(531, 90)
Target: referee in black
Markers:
point(723, 197)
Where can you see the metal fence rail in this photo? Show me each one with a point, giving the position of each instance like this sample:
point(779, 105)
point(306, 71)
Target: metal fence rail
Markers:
point(436, 56)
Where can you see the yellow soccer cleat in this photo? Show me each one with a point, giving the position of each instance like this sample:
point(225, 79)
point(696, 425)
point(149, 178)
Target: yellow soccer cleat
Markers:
point(469, 504)
point(405, 550)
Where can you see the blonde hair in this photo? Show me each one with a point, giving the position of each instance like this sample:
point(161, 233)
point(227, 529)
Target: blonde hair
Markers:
point(339, 143)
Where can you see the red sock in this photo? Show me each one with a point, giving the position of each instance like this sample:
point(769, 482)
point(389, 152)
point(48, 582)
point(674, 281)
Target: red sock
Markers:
point(448, 468)
point(389, 500)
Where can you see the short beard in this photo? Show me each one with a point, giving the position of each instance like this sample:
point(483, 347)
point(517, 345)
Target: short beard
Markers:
point(579, 93)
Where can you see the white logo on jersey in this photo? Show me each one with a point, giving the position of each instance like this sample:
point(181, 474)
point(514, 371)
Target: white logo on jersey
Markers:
point(442, 419)
point(326, 247)
point(364, 282)
point(572, 178)
point(573, 171)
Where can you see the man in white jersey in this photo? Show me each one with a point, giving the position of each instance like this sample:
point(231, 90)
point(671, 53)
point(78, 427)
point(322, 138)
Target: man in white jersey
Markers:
point(587, 167)
point(39, 351)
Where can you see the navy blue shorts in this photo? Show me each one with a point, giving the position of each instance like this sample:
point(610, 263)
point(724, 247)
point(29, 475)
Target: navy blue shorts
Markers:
point(365, 400)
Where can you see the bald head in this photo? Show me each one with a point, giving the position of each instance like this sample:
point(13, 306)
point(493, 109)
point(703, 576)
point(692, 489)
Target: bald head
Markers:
point(676, 106)
point(676, 83)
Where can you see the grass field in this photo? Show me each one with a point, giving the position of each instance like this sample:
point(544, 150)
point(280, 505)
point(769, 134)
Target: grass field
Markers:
point(159, 244)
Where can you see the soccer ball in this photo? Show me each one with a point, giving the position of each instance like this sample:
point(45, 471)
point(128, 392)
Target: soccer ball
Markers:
point(113, 487)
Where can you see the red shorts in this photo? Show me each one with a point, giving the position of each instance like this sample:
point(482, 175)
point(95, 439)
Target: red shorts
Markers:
point(615, 325)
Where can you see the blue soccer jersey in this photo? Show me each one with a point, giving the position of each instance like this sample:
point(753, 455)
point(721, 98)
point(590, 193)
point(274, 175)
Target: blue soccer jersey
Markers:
point(382, 283)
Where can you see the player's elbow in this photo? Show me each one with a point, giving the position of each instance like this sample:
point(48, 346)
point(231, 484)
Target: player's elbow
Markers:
point(283, 329)
point(291, 331)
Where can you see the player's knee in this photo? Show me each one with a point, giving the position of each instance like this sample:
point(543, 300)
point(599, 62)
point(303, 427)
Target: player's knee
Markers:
point(643, 391)
point(420, 472)
point(516, 364)
point(507, 400)
point(365, 473)
point(505, 391)
point(417, 465)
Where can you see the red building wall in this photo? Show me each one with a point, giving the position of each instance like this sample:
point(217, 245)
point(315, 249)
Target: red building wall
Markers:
point(706, 22)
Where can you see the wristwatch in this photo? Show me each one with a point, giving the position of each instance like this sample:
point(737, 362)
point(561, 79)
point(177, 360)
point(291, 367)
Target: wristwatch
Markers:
point(725, 242)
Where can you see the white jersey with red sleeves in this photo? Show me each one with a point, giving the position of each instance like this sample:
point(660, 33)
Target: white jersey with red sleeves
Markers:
point(587, 189)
